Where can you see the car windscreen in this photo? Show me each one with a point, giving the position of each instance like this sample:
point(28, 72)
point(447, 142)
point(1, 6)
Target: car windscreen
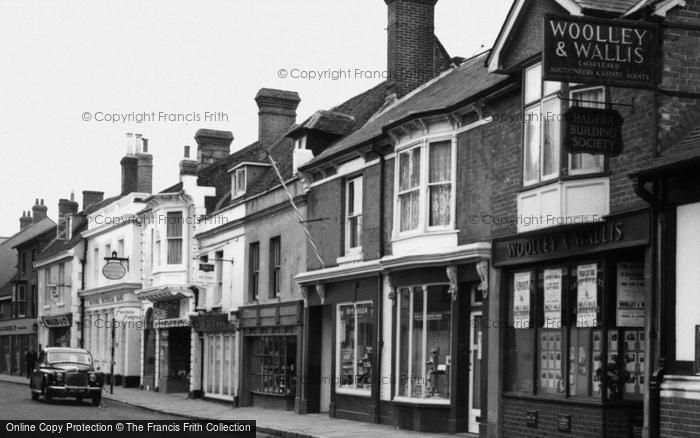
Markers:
point(64, 356)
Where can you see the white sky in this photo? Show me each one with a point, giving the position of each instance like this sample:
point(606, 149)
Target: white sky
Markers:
point(63, 58)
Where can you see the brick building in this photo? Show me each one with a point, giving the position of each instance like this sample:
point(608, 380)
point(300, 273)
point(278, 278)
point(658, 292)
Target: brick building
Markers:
point(18, 297)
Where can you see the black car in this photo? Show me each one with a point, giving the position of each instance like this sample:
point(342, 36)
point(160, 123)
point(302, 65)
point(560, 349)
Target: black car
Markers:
point(66, 372)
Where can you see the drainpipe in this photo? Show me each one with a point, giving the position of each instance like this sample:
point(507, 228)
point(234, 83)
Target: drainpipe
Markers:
point(82, 298)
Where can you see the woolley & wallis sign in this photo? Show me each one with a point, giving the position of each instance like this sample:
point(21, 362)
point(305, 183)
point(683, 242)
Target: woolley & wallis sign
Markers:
point(597, 51)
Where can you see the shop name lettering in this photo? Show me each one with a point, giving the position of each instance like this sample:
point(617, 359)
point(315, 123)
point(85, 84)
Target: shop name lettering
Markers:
point(596, 42)
point(608, 233)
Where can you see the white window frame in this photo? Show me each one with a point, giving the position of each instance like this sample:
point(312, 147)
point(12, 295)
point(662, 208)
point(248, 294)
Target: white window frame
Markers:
point(239, 189)
point(573, 91)
point(359, 191)
point(23, 301)
point(539, 104)
point(423, 226)
point(173, 239)
point(339, 389)
point(397, 388)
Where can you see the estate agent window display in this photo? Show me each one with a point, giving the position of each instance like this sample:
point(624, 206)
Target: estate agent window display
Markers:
point(560, 341)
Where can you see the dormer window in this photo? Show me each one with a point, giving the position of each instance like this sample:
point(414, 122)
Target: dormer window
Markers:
point(239, 179)
point(300, 143)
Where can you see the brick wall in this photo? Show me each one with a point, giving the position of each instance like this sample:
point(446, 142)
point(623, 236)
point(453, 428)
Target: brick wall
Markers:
point(325, 202)
point(370, 213)
point(586, 421)
point(680, 418)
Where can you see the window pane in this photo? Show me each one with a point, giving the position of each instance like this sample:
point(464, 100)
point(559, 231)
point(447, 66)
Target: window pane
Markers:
point(580, 361)
point(440, 204)
point(351, 197)
point(365, 332)
point(550, 366)
point(404, 171)
point(174, 227)
point(550, 154)
point(174, 251)
point(438, 343)
point(440, 165)
point(403, 341)
point(551, 87)
point(417, 357)
point(346, 345)
point(533, 83)
point(415, 167)
point(532, 144)
point(582, 163)
point(409, 210)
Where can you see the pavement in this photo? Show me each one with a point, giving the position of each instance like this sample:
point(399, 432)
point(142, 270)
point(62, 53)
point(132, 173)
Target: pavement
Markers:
point(273, 422)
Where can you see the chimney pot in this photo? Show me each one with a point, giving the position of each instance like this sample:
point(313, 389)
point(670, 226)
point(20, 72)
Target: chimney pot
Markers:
point(38, 211)
point(187, 151)
point(144, 145)
point(25, 220)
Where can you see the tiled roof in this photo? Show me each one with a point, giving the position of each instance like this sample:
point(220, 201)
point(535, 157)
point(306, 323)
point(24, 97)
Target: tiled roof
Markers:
point(30, 232)
point(173, 189)
point(685, 153)
point(332, 122)
point(59, 245)
point(453, 88)
point(6, 289)
point(363, 106)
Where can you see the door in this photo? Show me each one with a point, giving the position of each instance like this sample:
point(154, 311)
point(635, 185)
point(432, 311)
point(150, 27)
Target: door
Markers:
point(326, 351)
point(474, 370)
point(218, 369)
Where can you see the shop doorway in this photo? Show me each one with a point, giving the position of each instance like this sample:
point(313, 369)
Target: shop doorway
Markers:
point(149, 353)
point(475, 348)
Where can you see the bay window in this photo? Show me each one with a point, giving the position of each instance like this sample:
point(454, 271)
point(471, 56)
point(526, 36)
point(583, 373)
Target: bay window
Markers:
point(425, 186)
point(353, 215)
point(544, 158)
point(355, 331)
point(424, 342)
point(174, 236)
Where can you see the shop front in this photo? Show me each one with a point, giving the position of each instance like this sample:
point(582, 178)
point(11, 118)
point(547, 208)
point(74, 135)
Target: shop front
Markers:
point(16, 338)
point(573, 323)
point(59, 329)
point(341, 357)
point(270, 354)
point(216, 335)
point(173, 338)
point(438, 345)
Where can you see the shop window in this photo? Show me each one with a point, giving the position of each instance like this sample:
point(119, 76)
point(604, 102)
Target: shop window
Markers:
point(424, 354)
point(353, 215)
point(355, 332)
point(275, 265)
point(542, 141)
point(273, 365)
point(425, 189)
point(174, 236)
point(557, 332)
point(254, 271)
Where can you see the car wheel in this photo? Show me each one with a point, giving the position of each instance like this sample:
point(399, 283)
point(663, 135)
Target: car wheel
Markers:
point(96, 400)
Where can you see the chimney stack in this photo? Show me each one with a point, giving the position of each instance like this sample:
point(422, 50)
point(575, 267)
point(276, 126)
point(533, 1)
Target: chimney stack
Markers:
point(38, 211)
point(25, 220)
point(91, 197)
point(137, 166)
point(66, 207)
point(188, 166)
point(212, 146)
point(411, 44)
point(277, 112)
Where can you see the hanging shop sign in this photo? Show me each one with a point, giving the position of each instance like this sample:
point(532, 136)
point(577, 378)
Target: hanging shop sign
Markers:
point(114, 270)
point(206, 273)
point(630, 295)
point(521, 300)
point(593, 131)
point(552, 298)
point(597, 51)
point(587, 296)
